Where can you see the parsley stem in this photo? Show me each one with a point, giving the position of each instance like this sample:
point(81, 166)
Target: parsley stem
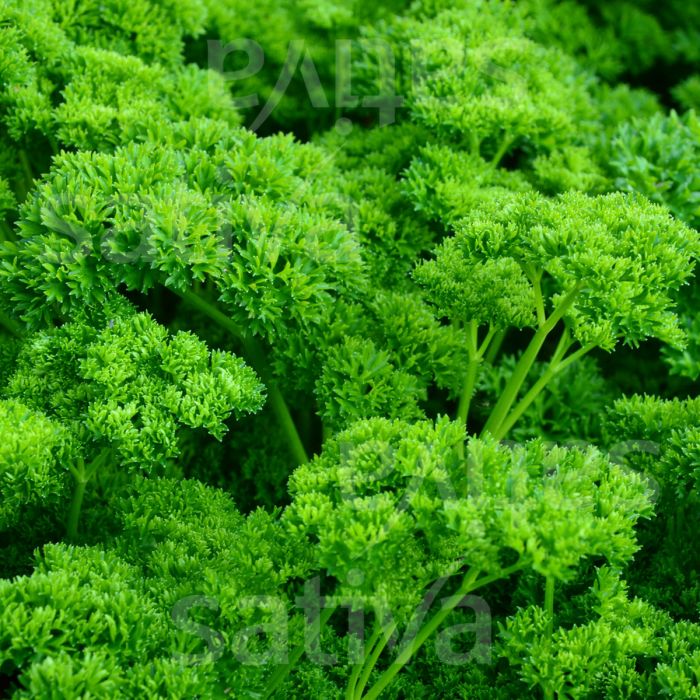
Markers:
point(502, 150)
point(496, 344)
point(82, 477)
point(476, 354)
point(549, 630)
point(549, 603)
point(468, 390)
point(212, 312)
point(351, 689)
point(556, 366)
point(10, 325)
point(471, 375)
point(254, 354)
point(75, 508)
point(27, 173)
point(383, 639)
point(536, 280)
point(6, 233)
point(282, 671)
point(524, 365)
point(279, 406)
point(469, 583)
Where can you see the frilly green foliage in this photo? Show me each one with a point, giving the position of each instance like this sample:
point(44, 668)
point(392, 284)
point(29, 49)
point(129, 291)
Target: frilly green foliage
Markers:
point(244, 214)
point(662, 439)
point(299, 38)
point(399, 349)
point(569, 168)
point(615, 38)
point(629, 649)
point(616, 105)
point(122, 394)
point(390, 233)
point(399, 502)
point(435, 183)
point(657, 157)
point(622, 254)
point(445, 224)
point(135, 387)
point(521, 94)
point(32, 453)
point(687, 93)
point(96, 76)
point(670, 428)
point(406, 325)
point(120, 606)
point(359, 381)
point(390, 149)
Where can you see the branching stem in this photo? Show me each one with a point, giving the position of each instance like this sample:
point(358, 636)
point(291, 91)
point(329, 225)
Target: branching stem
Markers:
point(6, 232)
point(524, 365)
point(549, 631)
point(539, 301)
point(254, 354)
point(502, 150)
point(476, 354)
point(10, 325)
point(82, 476)
point(469, 583)
point(357, 668)
point(281, 672)
point(496, 344)
point(374, 654)
point(556, 365)
point(28, 175)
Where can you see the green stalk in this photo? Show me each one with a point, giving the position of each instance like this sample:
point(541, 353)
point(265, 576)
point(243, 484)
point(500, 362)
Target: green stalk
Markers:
point(487, 341)
point(26, 166)
point(357, 668)
point(27, 173)
point(82, 477)
point(474, 144)
point(54, 145)
point(556, 366)
point(469, 584)
point(212, 312)
point(75, 507)
point(279, 406)
point(10, 325)
point(255, 356)
point(471, 375)
point(476, 354)
point(373, 658)
point(6, 231)
point(524, 365)
point(536, 280)
point(281, 672)
point(549, 630)
point(510, 393)
point(468, 390)
point(495, 346)
point(565, 342)
point(505, 145)
point(549, 604)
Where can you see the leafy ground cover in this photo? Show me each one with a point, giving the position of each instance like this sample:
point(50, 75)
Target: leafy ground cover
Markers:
point(349, 350)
